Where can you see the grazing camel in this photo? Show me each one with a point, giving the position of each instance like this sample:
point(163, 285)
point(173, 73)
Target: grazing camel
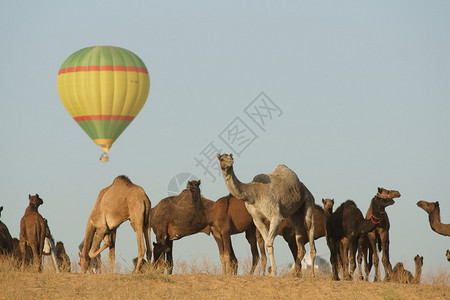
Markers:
point(32, 232)
point(320, 221)
point(176, 217)
point(434, 217)
point(345, 226)
point(274, 197)
point(400, 275)
point(6, 243)
point(117, 203)
point(62, 257)
point(229, 216)
point(368, 243)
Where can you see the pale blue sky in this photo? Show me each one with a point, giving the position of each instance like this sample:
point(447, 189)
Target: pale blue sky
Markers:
point(363, 88)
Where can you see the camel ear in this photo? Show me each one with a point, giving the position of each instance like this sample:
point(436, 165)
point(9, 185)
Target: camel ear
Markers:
point(323, 201)
point(437, 203)
point(231, 155)
point(37, 195)
point(199, 181)
point(1, 208)
point(380, 190)
point(29, 196)
point(218, 155)
point(332, 200)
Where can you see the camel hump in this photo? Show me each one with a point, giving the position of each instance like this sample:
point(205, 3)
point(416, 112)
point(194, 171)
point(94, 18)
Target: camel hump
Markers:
point(262, 178)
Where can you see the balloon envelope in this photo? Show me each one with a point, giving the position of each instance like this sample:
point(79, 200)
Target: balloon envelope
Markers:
point(103, 88)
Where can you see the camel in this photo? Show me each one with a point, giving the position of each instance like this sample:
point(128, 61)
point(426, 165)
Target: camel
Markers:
point(345, 226)
point(32, 232)
point(274, 197)
point(6, 243)
point(229, 216)
point(62, 257)
point(117, 203)
point(320, 220)
point(176, 217)
point(401, 275)
point(434, 217)
point(368, 243)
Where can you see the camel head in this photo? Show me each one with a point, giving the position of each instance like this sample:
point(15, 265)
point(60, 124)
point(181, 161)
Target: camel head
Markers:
point(384, 193)
point(448, 255)
point(225, 160)
point(35, 200)
point(328, 205)
point(428, 206)
point(158, 252)
point(419, 261)
point(84, 263)
point(59, 248)
point(194, 187)
point(379, 204)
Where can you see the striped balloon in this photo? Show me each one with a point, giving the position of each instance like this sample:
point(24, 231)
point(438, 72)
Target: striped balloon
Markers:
point(103, 88)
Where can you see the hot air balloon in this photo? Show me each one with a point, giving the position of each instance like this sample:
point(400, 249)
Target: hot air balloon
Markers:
point(103, 88)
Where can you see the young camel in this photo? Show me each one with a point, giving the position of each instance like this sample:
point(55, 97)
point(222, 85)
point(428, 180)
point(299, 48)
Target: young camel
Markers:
point(32, 232)
point(274, 197)
point(117, 203)
point(434, 217)
point(344, 227)
point(380, 235)
point(6, 242)
point(401, 275)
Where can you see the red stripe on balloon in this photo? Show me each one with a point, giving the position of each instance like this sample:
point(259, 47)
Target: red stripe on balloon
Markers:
point(102, 68)
point(103, 117)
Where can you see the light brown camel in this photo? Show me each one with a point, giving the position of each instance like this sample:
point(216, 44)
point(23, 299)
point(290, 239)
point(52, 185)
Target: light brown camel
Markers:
point(32, 232)
point(320, 221)
point(6, 243)
point(401, 275)
point(345, 226)
point(229, 216)
point(176, 217)
point(378, 237)
point(434, 217)
point(274, 197)
point(117, 203)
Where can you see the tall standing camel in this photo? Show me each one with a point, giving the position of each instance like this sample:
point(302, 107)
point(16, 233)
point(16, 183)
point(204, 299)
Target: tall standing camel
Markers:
point(117, 203)
point(380, 235)
point(434, 217)
point(345, 226)
point(274, 197)
point(6, 243)
point(32, 232)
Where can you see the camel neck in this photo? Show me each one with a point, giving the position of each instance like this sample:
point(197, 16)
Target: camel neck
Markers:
point(234, 185)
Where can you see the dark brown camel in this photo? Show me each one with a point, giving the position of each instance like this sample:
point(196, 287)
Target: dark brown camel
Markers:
point(62, 258)
point(378, 237)
point(117, 203)
point(400, 275)
point(6, 243)
point(32, 232)
point(176, 217)
point(229, 216)
point(434, 217)
point(320, 220)
point(345, 226)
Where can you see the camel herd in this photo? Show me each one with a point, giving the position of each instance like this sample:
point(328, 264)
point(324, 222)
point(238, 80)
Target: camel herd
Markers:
point(271, 204)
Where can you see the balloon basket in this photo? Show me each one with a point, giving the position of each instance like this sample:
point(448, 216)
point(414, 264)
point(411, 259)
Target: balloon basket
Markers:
point(104, 157)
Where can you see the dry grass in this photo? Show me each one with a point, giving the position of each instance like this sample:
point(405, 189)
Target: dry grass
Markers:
point(200, 281)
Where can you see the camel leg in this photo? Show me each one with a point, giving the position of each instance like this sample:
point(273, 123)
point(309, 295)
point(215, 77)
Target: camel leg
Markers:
point(262, 250)
point(141, 245)
point(218, 238)
point(99, 235)
point(384, 236)
point(233, 261)
point(268, 236)
point(373, 245)
point(333, 245)
point(112, 251)
point(228, 252)
point(353, 247)
point(309, 223)
point(23, 251)
point(148, 243)
point(344, 258)
point(250, 235)
point(169, 256)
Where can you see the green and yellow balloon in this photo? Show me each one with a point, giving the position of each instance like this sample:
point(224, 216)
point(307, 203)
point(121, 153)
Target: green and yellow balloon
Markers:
point(103, 88)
